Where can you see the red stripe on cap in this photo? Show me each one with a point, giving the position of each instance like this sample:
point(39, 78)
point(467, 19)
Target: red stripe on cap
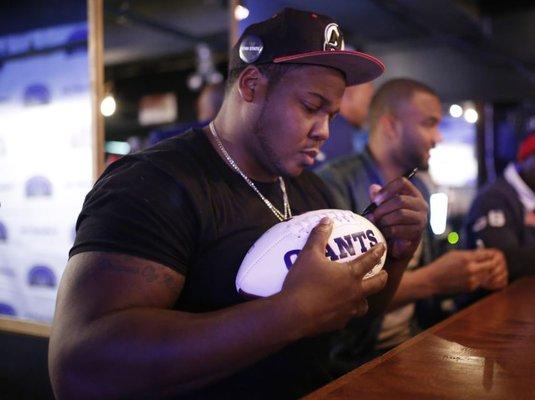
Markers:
point(319, 53)
point(527, 147)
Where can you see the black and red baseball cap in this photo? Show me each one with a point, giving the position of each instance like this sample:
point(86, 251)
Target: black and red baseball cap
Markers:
point(527, 147)
point(302, 37)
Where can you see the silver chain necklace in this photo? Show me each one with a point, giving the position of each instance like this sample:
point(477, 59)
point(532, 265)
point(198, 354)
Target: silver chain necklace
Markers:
point(280, 216)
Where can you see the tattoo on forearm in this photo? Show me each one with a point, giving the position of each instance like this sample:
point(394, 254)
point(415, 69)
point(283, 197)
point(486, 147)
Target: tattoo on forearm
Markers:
point(170, 282)
point(108, 265)
point(148, 272)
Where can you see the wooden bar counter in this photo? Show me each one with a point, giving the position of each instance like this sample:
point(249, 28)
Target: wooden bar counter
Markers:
point(486, 351)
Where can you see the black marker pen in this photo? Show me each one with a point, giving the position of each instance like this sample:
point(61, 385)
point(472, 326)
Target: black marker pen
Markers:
point(373, 206)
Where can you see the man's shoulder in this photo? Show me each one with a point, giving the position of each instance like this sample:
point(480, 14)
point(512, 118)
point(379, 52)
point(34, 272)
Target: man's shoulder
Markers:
point(347, 162)
point(180, 159)
point(308, 180)
point(182, 149)
point(345, 166)
point(187, 150)
point(499, 190)
point(342, 176)
point(312, 190)
point(307, 176)
point(498, 195)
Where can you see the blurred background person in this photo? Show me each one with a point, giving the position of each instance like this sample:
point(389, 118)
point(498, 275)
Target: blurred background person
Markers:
point(404, 119)
point(209, 102)
point(207, 105)
point(348, 132)
point(503, 213)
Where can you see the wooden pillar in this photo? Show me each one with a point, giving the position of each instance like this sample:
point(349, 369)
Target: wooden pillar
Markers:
point(96, 73)
point(233, 23)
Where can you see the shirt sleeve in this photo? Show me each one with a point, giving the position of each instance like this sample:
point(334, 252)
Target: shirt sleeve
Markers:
point(137, 209)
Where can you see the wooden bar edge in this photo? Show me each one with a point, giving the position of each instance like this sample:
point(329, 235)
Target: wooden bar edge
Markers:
point(24, 327)
point(341, 381)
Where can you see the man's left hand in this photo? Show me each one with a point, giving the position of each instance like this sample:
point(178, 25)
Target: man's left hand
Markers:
point(498, 275)
point(401, 215)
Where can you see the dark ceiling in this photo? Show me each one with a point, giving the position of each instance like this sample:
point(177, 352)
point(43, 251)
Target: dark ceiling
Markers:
point(487, 34)
point(138, 30)
point(466, 49)
point(141, 29)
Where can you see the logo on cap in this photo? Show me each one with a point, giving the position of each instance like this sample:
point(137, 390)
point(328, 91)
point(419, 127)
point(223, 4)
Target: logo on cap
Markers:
point(250, 48)
point(333, 38)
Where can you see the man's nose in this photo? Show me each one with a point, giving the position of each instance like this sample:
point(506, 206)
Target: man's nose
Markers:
point(437, 137)
point(321, 130)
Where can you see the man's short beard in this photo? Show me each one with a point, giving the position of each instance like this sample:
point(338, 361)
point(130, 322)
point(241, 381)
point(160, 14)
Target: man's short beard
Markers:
point(424, 165)
point(417, 160)
point(269, 158)
point(410, 156)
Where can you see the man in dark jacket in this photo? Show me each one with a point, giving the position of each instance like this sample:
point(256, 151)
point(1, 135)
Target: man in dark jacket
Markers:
point(503, 213)
point(404, 120)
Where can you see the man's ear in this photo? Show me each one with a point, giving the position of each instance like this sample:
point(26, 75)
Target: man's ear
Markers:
point(391, 126)
point(252, 84)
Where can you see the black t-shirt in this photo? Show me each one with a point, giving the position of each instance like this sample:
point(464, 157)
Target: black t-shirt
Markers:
point(179, 204)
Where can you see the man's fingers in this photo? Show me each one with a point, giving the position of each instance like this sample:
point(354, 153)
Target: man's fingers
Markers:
point(400, 248)
point(319, 236)
point(500, 277)
point(374, 284)
point(478, 267)
point(361, 308)
point(497, 282)
point(501, 282)
point(365, 263)
point(397, 186)
point(373, 190)
point(481, 255)
point(499, 273)
point(407, 232)
point(402, 217)
point(484, 254)
point(499, 266)
point(401, 202)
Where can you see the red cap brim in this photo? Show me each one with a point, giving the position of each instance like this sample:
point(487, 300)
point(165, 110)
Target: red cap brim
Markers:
point(358, 67)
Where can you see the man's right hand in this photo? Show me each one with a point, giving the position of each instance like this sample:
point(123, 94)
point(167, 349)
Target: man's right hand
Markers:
point(327, 294)
point(461, 271)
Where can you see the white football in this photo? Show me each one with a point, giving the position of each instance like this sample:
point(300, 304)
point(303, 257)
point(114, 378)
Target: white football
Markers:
point(264, 268)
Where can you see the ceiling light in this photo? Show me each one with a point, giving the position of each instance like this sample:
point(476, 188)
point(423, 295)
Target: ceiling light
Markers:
point(241, 12)
point(108, 106)
point(470, 115)
point(456, 110)
point(195, 81)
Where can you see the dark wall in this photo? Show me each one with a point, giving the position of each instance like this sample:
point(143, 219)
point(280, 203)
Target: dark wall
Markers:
point(132, 82)
point(23, 367)
point(26, 15)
